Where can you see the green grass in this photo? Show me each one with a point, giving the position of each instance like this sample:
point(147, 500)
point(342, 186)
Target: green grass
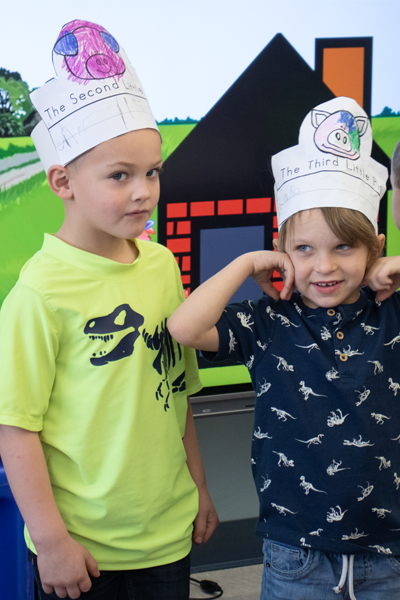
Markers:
point(27, 210)
point(11, 146)
point(386, 131)
point(172, 136)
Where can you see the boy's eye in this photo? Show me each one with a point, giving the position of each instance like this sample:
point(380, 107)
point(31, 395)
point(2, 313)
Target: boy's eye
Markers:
point(154, 172)
point(304, 248)
point(119, 176)
point(343, 247)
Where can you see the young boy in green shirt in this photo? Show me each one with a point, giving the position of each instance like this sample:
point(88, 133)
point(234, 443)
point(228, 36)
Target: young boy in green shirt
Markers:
point(96, 433)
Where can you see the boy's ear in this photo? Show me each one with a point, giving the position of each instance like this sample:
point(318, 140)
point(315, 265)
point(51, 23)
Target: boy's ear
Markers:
point(60, 182)
point(275, 244)
point(381, 240)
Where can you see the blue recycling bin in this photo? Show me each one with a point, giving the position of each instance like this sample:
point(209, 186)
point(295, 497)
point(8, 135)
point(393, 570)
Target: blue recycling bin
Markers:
point(16, 574)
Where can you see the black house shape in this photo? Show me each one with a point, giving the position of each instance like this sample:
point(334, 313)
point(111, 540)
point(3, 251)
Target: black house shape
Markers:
point(219, 177)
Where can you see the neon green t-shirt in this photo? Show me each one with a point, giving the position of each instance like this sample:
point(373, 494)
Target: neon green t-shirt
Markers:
point(88, 362)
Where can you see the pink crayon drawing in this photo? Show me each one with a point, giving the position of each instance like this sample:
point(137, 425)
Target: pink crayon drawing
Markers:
point(338, 133)
point(90, 52)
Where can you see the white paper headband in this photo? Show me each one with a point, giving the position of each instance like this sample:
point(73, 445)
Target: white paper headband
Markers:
point(331, 165)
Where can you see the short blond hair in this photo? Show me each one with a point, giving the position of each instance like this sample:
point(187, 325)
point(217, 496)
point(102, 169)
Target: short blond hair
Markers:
point(350, 226)
point(395, 166)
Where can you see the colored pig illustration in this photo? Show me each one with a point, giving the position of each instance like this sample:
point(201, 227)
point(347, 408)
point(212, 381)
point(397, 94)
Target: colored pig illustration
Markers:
point(89, 52)
point(338, 133)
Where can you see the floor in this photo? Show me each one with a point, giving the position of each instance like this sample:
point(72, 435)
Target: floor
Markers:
point(243, 583)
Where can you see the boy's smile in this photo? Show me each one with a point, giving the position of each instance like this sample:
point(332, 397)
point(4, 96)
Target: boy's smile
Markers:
point(114, 190)
point(328, 272)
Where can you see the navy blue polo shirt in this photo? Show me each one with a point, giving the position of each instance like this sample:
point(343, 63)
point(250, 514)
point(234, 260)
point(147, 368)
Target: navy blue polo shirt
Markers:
point(326, 440)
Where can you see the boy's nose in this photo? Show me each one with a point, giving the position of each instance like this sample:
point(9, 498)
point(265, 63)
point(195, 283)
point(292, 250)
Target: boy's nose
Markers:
point(140, 191)
point(326, 264)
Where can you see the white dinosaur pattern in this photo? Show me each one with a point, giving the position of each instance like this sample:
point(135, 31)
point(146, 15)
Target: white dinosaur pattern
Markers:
point(395, 387)
point(261, 436)
point(384, 464)
point(282, 363)
point(335, 515)
point(317, 532)
point(336, 419)
point(369, 330)
point(349, 352)
point(362, 396)
point(332, 374)
point(245, 320)
point(266, 484)
point(249, 364)
point(309, 347)
point(283, 460)
point(358, 443)
point(315, 440)
point(282, 414)
point(378, 367)
point(379, 418)
point(354, 536)
point(394, 341)
point(307, 486)
point(325, 333)
point(232, 341)
point(365, 491)
point(381, 549)
point(263, 388)
point(381, 512)
point(307, 391)
point(334, 468)
point(282, 510)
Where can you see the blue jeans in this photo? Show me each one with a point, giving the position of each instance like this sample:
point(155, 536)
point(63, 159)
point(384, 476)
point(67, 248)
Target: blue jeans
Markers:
point(167, 582)
point(304, 574)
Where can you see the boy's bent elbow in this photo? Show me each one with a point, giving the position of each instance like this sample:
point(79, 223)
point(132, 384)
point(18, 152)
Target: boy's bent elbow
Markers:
point(180, 332)
point(185, 334)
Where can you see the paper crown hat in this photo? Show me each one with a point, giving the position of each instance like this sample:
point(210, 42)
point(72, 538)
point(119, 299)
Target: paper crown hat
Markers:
point(95, 97)
point(331, 165)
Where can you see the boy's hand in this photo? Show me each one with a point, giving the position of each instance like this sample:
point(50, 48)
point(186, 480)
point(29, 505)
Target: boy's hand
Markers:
point(64, 569)
point(206, 520)
point(265, 263)
point(384, 276)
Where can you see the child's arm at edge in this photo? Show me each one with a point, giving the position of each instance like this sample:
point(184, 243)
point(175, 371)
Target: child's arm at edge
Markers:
point(206, 520)
point(193, 323)
point(384, 276)
point(63, 563)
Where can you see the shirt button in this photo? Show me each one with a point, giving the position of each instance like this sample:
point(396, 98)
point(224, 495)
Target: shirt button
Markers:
point(340, 335)
point(331, 312)
point(343, 357)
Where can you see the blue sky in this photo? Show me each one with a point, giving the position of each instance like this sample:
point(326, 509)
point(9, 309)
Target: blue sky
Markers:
point(187, 53)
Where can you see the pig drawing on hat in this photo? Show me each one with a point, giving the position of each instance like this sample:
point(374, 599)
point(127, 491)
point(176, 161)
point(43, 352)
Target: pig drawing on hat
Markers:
point(90, 52)
point(338, 133)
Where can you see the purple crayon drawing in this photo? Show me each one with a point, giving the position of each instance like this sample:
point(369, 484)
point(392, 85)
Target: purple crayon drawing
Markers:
point(338, 133)
point(89, 52)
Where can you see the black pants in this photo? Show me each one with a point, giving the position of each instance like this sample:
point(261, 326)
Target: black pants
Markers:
point(167, 582)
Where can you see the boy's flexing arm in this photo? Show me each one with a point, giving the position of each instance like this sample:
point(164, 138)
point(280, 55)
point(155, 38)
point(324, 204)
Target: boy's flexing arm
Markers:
point(63, 563)
point(193, 323)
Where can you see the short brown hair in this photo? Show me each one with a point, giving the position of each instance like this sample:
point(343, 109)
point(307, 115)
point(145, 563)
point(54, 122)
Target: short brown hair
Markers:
point(350, 226)
point(395, 166)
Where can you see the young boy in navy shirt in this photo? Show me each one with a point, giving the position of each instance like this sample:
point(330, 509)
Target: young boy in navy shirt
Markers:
point(323, 357)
